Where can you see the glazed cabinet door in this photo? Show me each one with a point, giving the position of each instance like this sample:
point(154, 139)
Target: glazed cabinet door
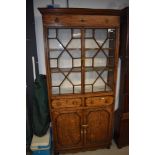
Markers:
point(98, 126)
point(67, 128)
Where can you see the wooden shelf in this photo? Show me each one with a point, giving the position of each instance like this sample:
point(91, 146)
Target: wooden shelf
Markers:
point(68, 90)
point(98, 68)
point(75, 69)
point(86, 49)
point(78, 69)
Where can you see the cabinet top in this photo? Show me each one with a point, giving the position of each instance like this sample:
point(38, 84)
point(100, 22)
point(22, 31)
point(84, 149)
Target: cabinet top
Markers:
point(79, 11)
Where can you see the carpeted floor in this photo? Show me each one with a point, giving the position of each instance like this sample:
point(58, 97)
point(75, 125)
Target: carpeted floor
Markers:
point(113, 151)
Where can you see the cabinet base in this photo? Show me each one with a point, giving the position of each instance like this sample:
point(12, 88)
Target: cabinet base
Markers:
point(75, 150)
point(56, 153)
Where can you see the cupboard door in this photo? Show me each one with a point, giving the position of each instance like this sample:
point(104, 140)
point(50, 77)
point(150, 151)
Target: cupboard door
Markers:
point(64, 57)
point(67, 128)
point(99, 60)
point(98, 122)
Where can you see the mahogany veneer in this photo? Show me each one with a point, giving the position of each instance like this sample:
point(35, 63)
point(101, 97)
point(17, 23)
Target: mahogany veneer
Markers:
point(82, 114)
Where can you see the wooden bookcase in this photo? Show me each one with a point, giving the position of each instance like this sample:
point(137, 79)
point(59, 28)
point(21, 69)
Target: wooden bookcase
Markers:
point(81, 53)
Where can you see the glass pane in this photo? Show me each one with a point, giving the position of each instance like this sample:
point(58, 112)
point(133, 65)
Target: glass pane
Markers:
point(76, 33)
point(64, 35)
point(90, 77)
point(75, 43)
point(51, 33)
point(99, 85)
point(65, 60)
point(100, 59)
point(88, 62)
point(99, 55)
point(76, 53)
point(88, 33)
point(75, 78)
point(106, 44)
point(55, 90)
point(108, 88)
point(57, 78)
point(90, 53)
point(66, 87)
point(54, 44)
point(53, 63)
point(88, 88)
point(55, 53)
point(100, 35)
point(77, 89)
point(104, 75)
point(90, 43)
point(76, 62)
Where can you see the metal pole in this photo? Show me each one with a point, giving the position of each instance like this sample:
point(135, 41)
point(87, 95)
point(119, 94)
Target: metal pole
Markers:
point(67, 4)
point(52, 2)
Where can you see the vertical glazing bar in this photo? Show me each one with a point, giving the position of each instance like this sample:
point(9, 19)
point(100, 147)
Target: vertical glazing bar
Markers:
point(107, 63)
point(69, 51)
point(73, 89)
point(47, 63)
point(93, 36)
point(116, 57)
point(67, 3)
point(52, 2)
point(82, 61)
point(48, 70)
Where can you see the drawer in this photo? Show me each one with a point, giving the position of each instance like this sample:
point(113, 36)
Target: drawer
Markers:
point(78, 20)
point(65, 103)
point(99, 101)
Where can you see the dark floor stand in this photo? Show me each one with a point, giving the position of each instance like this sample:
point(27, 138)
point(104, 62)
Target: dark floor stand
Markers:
point(121, 131)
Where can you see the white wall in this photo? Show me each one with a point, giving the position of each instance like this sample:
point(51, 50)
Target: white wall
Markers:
point(102, 4)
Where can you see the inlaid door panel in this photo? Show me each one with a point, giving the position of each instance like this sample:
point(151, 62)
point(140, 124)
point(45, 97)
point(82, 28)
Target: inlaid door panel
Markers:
point(67, 128)
point(98, 126)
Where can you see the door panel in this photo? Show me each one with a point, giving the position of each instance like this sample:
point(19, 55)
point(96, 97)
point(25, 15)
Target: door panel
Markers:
point(99, 59)
point(67, 127)
point(98, 126)
point(64, 49)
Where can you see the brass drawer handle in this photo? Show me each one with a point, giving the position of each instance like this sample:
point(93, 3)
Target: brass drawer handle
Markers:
point(105, 100)
point(85, 125)
point(56, 20)
point(83, 132)
point(82, 20)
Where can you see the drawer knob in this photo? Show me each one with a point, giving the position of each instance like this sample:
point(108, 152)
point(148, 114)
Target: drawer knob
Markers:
point(82, 20)
point(85, 125)
point(56, 20)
